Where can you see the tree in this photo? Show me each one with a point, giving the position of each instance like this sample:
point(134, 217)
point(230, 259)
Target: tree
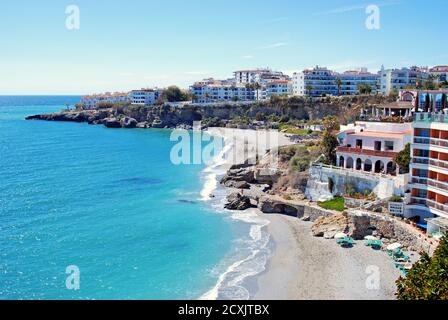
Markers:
point(339, 84)
point(428, 279)
point(174, 94)
point(331, 123)
point(308, 89)
point(329, 145)
point(403, 159)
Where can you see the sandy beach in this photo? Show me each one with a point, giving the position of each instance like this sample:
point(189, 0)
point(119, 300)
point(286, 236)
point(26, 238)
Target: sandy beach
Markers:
point(304, 267)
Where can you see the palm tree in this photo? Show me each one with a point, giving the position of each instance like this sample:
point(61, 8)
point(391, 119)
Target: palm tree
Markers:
point(257, 87)
point(308, 89)
point(339, 84)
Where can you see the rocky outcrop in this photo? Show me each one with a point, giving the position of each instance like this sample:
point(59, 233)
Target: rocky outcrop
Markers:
point(273, 204)
point(112, 123)
point(128, 123)
point(237, 201)
point(328, 227)
point(243, 174)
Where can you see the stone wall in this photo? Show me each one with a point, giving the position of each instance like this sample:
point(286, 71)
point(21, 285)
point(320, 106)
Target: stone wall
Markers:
point(323, 177)
point(363, 223)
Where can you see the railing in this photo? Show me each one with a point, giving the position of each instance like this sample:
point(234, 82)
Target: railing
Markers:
point(437, 206)
point(429, 203)
point(438, 184)
point(423, 181)
point(439, 163)
point(420, 160)
point(431, 117)
point(375, 153)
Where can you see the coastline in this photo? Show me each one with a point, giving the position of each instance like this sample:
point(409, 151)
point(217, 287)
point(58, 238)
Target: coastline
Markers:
point(294, 265)
point(237, 281)
point(303, 267)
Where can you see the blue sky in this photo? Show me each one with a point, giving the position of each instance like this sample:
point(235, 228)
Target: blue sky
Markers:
point(123, 45)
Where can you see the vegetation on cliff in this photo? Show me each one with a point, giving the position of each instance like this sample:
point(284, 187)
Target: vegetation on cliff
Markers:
point(428, 279)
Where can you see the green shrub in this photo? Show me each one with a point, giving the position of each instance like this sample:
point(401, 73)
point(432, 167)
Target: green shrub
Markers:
point(428, 279)
point(337, 204)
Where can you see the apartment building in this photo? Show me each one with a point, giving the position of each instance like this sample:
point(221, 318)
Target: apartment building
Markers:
point(371, 147)
point(429, 167)
point(440, 73)
point(314, 82)
point(91, 102)
point(397, 79)
point(216, 91)
point(260, 76)
point(351, 81)
point(145, 97)
point(279, 87)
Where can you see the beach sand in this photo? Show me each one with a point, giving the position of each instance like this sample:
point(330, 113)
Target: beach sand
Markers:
point(304, 267)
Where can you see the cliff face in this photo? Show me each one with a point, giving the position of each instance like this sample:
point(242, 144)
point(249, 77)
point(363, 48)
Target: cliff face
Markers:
point(170, 117)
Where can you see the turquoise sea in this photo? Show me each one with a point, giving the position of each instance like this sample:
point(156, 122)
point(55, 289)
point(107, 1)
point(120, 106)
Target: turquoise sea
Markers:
point(111, 203)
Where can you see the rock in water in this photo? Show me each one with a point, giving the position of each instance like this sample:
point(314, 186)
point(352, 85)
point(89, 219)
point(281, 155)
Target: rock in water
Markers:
point(112, 123)
point(129, 123)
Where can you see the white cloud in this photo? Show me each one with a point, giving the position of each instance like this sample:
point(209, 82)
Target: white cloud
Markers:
point(356, 8)
point(248, 57)
point(274, 45)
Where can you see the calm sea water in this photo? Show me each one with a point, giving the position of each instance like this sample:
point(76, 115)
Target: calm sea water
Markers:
point(108, 201)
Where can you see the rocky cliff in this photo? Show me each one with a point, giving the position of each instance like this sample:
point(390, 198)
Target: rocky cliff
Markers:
point(169, 117)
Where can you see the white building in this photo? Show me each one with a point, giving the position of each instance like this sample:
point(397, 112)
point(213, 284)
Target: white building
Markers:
point(321, 81)
point(145, 97)
point(397, 79)
point(372, 146)
point(92, 101)
point(316, 82)
point(429, 166)
point(260, 76)
point(352, 80)
point(440, 73)
point(217, 91)
point(279, 87)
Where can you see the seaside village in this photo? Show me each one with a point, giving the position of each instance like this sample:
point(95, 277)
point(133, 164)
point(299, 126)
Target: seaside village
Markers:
point(389, 177)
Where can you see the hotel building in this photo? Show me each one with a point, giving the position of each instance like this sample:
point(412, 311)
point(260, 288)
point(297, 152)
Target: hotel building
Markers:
point(429, 167)
point(321, 81)
point(352, 80)
point(145, 97)
point(440, 73)
point(260, 76)
point(216, 91)
point(92, 101)
point(279, 87)
point(397, 79)
point(371, 147)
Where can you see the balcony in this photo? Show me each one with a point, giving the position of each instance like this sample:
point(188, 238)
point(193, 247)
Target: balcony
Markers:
point(367, 152)
point(442, 185)
point(430, 117)
point(438, 206)
point(431, 141)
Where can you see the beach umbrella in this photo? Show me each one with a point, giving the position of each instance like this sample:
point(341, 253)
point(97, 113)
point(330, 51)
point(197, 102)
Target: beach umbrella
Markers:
point(370, 238)
point(340, 235)
point(394, 246)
